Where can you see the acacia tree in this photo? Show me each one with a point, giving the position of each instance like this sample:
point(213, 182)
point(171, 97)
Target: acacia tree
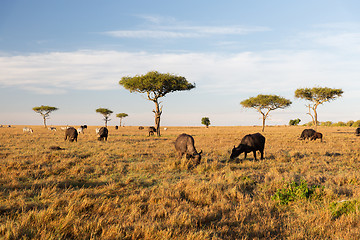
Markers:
point(205, 121)
point(317, 96)
point(264, 104)
point(121, 116)
point(106, 113)
point(156, 85)
point(44, 111)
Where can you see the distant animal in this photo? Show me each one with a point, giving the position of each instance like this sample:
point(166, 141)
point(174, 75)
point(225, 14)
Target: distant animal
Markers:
point(250, 143)
point(26, 129)
point(141, 127)
point(52, 128)
point(165, 129)
point(103, 134)
point(71, 134)
point(357, 131)
point(310, 134)
point(56, 148)
point(184, 144)
point(80, 130)
point(116, 127)
point(83, 126)
point(151, 130)
point(9, 126)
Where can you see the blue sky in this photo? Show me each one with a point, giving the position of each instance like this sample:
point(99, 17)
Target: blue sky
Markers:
point(72, 54)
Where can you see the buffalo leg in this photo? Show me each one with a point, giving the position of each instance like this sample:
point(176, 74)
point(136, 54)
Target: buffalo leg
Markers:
point(254, 152)
point(245, 154)
point(262, 154)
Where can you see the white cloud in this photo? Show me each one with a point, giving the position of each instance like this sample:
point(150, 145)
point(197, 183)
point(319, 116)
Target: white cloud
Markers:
point(185, 31)
point(269, 71)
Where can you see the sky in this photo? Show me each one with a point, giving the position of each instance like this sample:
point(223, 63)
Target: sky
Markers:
point(72, 55)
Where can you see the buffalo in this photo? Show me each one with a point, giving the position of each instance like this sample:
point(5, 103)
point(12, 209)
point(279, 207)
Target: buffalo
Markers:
point(103, 134)
point(357, 131)
point(71, 134)
point(184, 144)
point(151, 130)
point(250, 143)
point(310, 134)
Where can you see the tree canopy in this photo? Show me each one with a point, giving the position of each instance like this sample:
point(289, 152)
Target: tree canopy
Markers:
point(106, 113)
point(205, 121)
point(265, 103)
point(318, 96)
point(156, 85)
point(44, 111)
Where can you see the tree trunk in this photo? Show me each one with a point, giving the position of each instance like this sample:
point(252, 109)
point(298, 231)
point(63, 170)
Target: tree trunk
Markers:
point(315, 116)
point(263, 123)
point(120, 121)
point(44, 121)
point(157, 118)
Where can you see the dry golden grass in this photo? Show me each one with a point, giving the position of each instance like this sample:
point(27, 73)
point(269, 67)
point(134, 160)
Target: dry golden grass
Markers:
point(134, 187)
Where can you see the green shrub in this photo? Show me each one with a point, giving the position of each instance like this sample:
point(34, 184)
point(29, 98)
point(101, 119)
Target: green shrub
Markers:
point(338, 209)
point(327, 123)
point(293, 191)
point(339, 124)
point(356, 124)
point(350, 123)
point(294, 122)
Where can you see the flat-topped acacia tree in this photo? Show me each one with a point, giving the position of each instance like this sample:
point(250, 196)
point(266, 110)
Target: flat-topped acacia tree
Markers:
point(44, 111)
point(106, 113)
point(317, 96)
point(264, 104)
point(156, 85)
point(121, 116)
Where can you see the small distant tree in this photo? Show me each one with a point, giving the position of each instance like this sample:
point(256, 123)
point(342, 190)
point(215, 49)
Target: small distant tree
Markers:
point(350, 123)
point(205, 121)
point(44, 111)
point(121, 116)
point(156, 85)
point(294, 122)
point(317, 96)
point(264, 104)
point(106, 113)
point(356, 124)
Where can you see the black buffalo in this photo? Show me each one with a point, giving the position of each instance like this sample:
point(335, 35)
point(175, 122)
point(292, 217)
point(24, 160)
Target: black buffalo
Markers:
point(71, 134)
point(151, 130)
point(103, 134)
point(250, 143)
point(310, 134)
point(357, 131)
point(184, 144)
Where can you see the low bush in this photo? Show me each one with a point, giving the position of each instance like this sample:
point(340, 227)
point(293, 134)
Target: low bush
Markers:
point(293, 191)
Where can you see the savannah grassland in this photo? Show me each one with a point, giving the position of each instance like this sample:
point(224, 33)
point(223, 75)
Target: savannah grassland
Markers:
point(134, 187)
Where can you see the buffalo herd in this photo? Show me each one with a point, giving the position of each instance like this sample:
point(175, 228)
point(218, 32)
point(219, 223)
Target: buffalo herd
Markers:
point(185, 144)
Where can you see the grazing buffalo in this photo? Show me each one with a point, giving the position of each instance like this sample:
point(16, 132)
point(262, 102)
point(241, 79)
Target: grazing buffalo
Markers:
point(141, 127)
point(250, 143)
point(27, 129)
point(103, 134)
point(151, 130)
point(116, 127)
point(184, 144)
point(310, 134)
point(71, 134)
point(357, 131)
